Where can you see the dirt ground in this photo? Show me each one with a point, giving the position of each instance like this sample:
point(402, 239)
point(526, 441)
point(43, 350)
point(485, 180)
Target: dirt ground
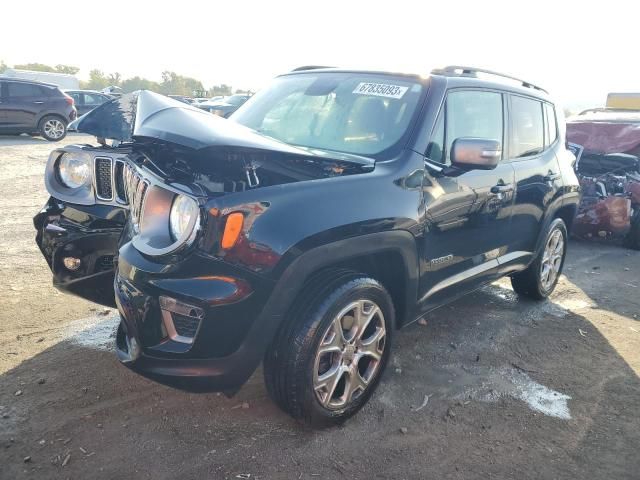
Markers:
point(491, 387)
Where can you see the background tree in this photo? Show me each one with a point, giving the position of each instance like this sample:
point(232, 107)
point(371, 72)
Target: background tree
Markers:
point(41, 67)
point(221, 89)
point(174, 84)
point(138, 83)
point(3, 66)
point(69, 69)
point(36, 67)
point(115, 79)
point(97, 80)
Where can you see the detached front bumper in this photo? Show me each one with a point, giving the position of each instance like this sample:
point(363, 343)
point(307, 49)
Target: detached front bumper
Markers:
point(196, 324)
point(88, 234)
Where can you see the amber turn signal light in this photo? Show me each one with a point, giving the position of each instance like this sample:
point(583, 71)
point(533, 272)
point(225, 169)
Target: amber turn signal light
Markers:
point(232, 230)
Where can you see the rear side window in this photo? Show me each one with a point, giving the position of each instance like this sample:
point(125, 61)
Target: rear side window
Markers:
point(552, 124)
point(76, 97)
point(467, 113)
point(19, 90)
point(527, 132)
point(93, 99)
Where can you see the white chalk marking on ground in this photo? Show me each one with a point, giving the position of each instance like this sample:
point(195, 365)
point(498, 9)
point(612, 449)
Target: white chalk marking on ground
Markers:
point(540, 398)
point(97, 332)
point(498, 383)
point(573, 304)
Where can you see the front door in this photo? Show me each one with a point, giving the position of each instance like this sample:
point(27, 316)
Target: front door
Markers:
point(467, 218)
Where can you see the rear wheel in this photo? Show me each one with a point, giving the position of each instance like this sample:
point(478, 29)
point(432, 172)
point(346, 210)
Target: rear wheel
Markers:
point(53, 128)
point(327, 361)
point(541, 277)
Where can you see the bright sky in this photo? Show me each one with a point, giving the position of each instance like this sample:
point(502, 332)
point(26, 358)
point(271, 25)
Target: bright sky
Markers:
point(578, 50)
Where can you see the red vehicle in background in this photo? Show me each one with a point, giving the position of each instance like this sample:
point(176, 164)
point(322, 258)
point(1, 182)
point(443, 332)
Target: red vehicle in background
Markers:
point(606, 142)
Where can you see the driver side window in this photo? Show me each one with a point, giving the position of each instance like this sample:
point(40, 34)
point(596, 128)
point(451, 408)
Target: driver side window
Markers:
point(467, 113)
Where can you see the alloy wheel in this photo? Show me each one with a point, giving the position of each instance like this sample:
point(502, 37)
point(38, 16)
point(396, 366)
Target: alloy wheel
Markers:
point(349, 355)
point(54, 128)
point(552, 259)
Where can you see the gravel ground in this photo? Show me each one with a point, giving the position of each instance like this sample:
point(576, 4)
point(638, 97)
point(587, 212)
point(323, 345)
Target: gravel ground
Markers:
point(491, 387)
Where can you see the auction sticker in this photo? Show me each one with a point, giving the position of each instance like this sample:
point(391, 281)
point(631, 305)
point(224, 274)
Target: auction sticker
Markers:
point(380, 90)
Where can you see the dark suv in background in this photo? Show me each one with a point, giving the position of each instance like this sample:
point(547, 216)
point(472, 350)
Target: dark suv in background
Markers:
point(331, 209)
point(34, 108)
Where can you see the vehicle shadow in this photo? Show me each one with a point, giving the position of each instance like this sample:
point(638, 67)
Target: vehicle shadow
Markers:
point(490, 367)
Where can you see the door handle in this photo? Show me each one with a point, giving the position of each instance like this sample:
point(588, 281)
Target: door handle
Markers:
point(38, 103)
point(497, 189)
point(551, 176)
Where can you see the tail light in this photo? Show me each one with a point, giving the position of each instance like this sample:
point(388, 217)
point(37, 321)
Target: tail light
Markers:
point(69, 99)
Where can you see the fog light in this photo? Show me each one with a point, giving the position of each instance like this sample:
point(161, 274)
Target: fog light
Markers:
point(71, 263)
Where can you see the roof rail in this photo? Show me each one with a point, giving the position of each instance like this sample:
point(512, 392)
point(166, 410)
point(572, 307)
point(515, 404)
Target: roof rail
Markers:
point(309, 67)
point(458, 70)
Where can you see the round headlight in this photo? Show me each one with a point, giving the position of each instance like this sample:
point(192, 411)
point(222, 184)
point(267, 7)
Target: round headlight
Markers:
point(184, 219)
point(74, 169)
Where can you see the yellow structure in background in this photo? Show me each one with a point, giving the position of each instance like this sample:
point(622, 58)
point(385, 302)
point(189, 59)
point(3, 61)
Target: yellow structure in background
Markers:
point(625, 101)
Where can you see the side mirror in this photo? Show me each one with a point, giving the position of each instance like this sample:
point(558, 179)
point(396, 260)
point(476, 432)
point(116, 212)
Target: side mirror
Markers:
point(475, 154)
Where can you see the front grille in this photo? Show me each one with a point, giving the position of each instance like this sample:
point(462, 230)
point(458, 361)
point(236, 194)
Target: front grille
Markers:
point(104, 188)
point(135, 187)
point(185, 326)
point(121, 194)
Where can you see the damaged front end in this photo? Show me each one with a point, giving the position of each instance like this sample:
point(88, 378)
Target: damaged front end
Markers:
point(131, 223)
point(610, 205)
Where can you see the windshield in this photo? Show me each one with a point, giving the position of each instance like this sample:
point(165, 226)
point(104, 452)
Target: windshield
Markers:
point(357, 113)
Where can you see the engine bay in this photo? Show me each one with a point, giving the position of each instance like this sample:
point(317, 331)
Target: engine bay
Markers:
point(221, 170)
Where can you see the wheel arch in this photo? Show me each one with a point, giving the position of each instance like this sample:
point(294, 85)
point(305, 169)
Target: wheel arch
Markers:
point(564, 211)
point(389, 257)
point(50, 114)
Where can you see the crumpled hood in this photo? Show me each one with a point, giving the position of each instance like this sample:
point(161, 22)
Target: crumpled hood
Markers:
point(145, 114)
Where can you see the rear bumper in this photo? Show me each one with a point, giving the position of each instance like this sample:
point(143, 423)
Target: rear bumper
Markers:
point(213, 342)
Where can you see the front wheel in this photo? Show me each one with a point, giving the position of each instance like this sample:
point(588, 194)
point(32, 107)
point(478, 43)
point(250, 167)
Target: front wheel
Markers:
point(329, 359)
point(541, 277)
point(53, 128)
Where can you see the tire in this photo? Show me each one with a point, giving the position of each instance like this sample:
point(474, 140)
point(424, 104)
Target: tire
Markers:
point(533, 282)
point(324, 389)
point(53, 128)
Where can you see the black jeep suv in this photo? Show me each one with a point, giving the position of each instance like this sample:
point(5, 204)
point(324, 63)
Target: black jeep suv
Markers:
point(333, 208)
point(34, 108)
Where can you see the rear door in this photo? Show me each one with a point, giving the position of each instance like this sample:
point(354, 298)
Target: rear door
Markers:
point(467, 217)
point(22, 104)
point(533, 134)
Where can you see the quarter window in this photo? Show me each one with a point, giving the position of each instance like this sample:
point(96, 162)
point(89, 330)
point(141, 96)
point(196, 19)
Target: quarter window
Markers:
point(435, 149)
point(527, 133)
point(552, 125)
